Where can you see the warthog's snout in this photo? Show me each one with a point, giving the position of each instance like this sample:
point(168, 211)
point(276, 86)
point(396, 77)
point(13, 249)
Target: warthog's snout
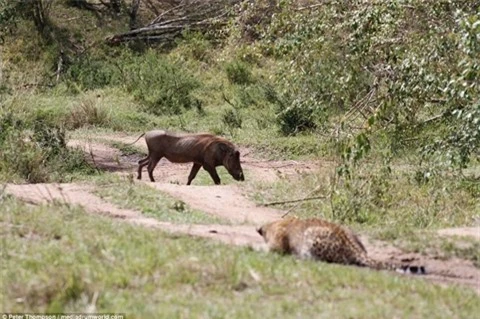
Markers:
point(240, 177)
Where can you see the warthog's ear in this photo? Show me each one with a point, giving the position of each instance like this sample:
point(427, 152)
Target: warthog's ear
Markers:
point(237, 154)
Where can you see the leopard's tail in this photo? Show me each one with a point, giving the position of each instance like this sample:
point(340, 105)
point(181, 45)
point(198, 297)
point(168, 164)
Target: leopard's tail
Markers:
point(384, 265)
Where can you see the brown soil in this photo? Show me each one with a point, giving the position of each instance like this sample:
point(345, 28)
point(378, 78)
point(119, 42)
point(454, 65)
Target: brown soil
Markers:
point(227, 202)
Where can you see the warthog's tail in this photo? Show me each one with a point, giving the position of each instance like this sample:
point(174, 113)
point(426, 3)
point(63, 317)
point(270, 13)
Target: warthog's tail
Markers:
point(135, 140)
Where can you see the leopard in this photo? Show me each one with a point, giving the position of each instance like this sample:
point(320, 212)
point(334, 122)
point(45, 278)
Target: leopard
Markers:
point(321, 240)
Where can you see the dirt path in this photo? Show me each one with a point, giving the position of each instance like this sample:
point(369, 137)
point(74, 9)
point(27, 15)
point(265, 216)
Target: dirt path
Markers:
point(78, 194)
point(109, 158)
point(226, 201)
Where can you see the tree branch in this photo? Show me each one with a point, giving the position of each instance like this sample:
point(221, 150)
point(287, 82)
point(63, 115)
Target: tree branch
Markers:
point(294, 201)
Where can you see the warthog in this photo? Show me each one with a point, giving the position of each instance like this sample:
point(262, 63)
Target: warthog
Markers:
point(204, 150)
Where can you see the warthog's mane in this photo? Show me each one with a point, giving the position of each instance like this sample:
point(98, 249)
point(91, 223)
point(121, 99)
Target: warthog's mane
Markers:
point(191, 140)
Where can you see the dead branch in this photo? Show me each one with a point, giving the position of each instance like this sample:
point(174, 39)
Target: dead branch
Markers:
point(227, 100)
point(298, 201)
point(93, 160)
point(196, 15)
point(294, 201)
point(432, 119)
point(362, 103)
point(59, 66)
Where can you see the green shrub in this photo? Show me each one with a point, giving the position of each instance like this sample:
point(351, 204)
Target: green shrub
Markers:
point(163, 87)
point(87, 73)
point(251, 95)
point(8, 17)
point(232, 119)
point(239, 73)
point(36, 151)
point(22, 157)
point(298, 116)
point(195, 46)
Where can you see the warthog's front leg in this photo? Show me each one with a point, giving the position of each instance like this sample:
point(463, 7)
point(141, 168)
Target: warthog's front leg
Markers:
point(141, 164)
point(213, 173)
point(193, 172)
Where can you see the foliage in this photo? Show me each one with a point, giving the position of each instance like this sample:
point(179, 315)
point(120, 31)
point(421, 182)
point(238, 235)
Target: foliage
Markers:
point(36, 151)
point(463, 137)
point(36, 10)
point(8, 17)
point(297, 117)
point(356, 80)
point(238, 72)
point(368, 60)
point(164, 87)
point(196, 46)
point(232, 119)
point(252, 17)
point(87, 72)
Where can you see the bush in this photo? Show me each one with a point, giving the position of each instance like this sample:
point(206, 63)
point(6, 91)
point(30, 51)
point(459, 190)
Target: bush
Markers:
point(88, 73)
point(239, 73)
point(195, 46)
point(162, 86)
point(232, 119)
point(36, 151)
point(22, 157)
point(252, 95)
point(299, 116)
point(462, 141)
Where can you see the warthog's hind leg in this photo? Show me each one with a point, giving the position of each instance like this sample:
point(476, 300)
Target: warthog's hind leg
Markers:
point(141, 164)
point(151, 166)
point(213, 173)
point(193, 172)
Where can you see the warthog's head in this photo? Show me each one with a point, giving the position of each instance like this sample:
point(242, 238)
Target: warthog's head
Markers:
point(231, 161)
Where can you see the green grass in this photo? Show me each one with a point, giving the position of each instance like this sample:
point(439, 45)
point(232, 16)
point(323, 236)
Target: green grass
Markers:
point(387, 207)
point(127, 149)
point(150, 201)
point(55, 259)
point(109, 108)
point(444, 247)
point(266, 141)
